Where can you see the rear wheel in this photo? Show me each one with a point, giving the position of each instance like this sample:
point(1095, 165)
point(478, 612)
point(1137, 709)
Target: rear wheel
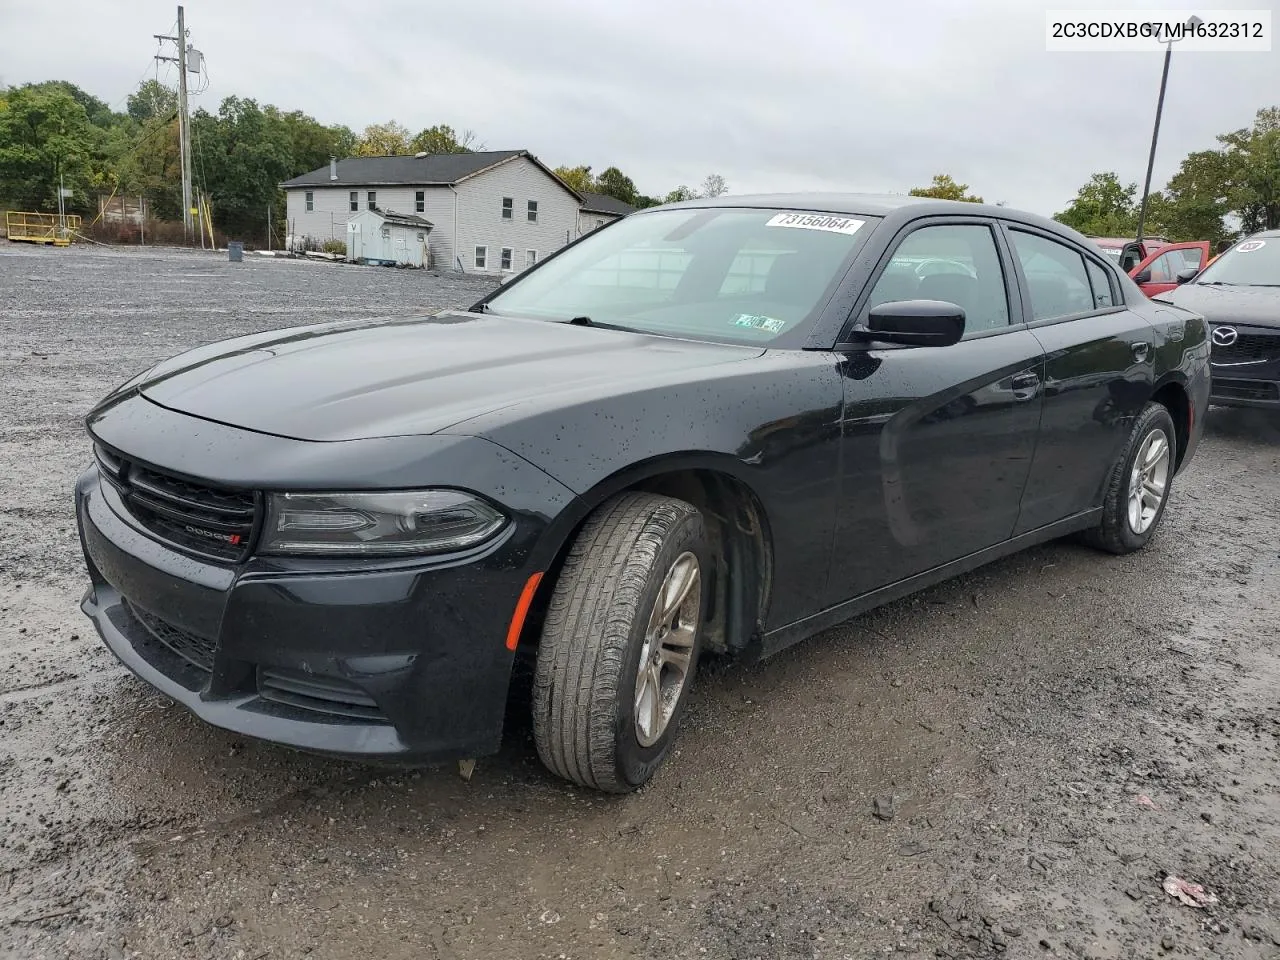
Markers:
point(620, 642)
point(1138, 490)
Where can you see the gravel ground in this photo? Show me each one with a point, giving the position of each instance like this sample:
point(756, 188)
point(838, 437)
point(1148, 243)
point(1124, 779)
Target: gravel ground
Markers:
point(1008, 764)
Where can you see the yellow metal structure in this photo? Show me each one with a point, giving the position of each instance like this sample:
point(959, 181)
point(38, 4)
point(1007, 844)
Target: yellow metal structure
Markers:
point(42, 227)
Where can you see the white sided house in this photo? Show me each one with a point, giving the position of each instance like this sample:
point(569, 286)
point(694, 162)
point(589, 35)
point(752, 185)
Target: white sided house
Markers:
point(494, 212)
point(599, 209)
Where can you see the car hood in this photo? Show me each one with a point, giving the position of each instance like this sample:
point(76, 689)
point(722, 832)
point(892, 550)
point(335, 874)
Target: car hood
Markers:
point(381, 378)
point(1259, 306)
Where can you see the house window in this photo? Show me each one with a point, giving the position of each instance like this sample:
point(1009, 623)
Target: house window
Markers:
point(507, 205)
point(373, 199)
point(355, 200)
point(530, 258)
point(420, 201)
point(311, 200)
point(421, 237)
point(482, 257)
point(386, 233)
point(506, 258)
point(533, 211)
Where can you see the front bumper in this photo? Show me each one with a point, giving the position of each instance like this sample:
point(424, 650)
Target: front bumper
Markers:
point(402, 659)
point(407, 662)
point(1246, 373)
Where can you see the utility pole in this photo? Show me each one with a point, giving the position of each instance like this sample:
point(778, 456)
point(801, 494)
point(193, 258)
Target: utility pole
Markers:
point(184, 120)
point(1193, 22)
point(1155, 135)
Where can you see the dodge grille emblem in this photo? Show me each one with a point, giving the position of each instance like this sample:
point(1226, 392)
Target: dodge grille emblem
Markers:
point(1224, 336)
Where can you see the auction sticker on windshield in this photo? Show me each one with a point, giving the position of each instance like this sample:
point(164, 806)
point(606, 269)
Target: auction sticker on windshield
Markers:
point(816, 221)
point(757, 322)
point(1251, 245)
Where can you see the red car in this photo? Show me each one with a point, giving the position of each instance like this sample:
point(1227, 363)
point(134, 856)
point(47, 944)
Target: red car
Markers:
point(1155, 264)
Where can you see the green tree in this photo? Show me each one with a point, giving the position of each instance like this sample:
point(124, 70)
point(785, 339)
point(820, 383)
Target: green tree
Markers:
point(388, 139)
point(97, 111)
point(578, 178)
point(614, 183)
point(344, 140)
point(150, 101)
point(311, 143)
point(1103, 207)
point(680, 194)
point(45, 134)
point(1196, 201)
point(1252, 159)
point(945, 188)
point(442, 139)
point(244, 153)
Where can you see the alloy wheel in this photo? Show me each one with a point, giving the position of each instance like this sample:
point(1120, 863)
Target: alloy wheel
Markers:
point(1148, 481)
point(667, 655)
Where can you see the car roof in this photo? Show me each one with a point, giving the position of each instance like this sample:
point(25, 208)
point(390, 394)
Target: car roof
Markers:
point(896, 207)
point(1264, 235)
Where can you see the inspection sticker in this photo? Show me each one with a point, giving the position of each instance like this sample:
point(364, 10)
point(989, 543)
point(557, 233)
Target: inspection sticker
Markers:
point(1251, 245)
point(816, 221)
point(756, 322)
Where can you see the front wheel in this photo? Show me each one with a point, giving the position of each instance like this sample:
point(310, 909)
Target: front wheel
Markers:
point(1138, 490)
point(620, 642)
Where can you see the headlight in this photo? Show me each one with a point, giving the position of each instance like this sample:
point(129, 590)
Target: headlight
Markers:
point(377, 524)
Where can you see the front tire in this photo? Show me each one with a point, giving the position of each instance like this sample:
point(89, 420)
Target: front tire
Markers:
point(1138, 489)
point(620, 642)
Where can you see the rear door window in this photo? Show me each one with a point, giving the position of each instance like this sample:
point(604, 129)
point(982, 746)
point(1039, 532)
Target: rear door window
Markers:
point(1056, 277)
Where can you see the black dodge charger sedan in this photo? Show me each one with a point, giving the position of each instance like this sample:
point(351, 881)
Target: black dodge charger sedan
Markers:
point(719, 426)
point(1239, 294)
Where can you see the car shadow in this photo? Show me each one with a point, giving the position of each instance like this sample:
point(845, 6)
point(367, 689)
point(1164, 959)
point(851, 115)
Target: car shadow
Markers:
point(1244, 423)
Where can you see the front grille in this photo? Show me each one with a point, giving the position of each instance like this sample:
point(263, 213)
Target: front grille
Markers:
point(197, 651)
point(212, 521)
point(1248, 348)
point(1245, 389)
point(328, 695)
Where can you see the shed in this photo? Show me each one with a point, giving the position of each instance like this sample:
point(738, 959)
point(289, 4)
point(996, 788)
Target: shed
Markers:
point(389, 238)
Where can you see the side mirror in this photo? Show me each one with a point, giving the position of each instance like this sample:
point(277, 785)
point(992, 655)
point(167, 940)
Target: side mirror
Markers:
point(1143, 277)
point(1188, 274)
point(914, 323)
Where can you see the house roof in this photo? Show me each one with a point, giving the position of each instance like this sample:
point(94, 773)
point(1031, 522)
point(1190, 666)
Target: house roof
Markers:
point(433, 170)
point(603, 203)
point(404, 219)
point(438, 168)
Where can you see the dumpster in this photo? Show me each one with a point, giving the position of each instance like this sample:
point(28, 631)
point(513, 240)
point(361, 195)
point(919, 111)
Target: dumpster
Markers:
point(235, 250)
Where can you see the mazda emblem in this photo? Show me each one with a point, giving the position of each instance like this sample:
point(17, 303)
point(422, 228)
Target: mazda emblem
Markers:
point(1224, 336)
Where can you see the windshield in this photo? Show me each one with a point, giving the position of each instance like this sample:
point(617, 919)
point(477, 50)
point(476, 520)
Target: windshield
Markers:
point(1252, 263)
point(729, 274)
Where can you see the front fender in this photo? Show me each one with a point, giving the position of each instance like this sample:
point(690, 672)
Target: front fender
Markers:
point(771, 423)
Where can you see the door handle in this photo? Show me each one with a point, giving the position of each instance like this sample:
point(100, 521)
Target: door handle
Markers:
point(1141, 350)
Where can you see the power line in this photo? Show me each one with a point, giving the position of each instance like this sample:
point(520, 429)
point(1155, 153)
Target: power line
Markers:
point(145, 70)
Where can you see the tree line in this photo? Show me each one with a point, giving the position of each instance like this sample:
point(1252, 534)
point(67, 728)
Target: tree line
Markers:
point(241, 152)
point(1216, 195)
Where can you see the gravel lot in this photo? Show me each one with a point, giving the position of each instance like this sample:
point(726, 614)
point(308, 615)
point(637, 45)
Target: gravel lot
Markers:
point(957, 775)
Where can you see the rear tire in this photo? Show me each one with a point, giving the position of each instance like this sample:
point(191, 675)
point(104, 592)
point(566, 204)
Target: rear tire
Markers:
point(1138, 488)
point(620, 642)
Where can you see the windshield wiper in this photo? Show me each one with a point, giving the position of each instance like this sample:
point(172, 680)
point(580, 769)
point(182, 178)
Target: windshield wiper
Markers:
point(1216, 283)
point(585, 321)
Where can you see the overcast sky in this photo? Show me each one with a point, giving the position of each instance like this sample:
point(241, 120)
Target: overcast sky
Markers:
point(802, 94)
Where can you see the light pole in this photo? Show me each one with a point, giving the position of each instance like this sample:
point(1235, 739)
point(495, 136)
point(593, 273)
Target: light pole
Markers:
point(1155, 133)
